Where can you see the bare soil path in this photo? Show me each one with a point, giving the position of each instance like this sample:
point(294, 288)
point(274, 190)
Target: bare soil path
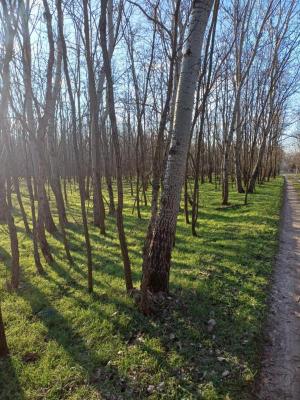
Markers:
point(280, 376)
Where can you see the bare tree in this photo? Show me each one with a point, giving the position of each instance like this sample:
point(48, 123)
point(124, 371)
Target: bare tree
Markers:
point(156, 264)
point(115, 138)
point(10, 32)
point(78, 160)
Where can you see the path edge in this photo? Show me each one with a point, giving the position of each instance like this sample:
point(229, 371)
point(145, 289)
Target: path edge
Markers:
point(257, 381)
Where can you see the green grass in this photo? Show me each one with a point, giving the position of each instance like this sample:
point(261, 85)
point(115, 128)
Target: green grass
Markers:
point(295, 179)
point(67, 344)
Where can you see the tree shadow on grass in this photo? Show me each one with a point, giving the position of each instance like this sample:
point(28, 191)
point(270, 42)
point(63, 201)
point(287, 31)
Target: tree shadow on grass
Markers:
point(5, 258)
point(184, 349)
point(181, 330)
point(10, 387)
point(105, 379)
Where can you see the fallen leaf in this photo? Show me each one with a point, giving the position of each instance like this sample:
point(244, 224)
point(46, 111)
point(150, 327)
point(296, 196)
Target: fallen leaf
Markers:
point(30, 357)
point(211, 324)
point(150, 389)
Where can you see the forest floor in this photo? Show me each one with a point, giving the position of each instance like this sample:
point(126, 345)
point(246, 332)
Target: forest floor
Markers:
point(280, 377)
point(68, 344)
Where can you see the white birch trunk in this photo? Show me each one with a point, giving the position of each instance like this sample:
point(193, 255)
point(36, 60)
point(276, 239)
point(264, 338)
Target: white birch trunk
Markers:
point(157, 259)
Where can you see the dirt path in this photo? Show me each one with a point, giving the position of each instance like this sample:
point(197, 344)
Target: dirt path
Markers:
point(280, 377)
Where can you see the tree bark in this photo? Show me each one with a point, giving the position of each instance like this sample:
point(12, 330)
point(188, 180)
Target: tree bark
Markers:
point(14, 243)
point(35, 238)
point(156, 264)
point(2, 201)
point(78, 160)
point(10, 31)
point(98, 210)
point(3, 343)
point(19, 197)
point(115, 138)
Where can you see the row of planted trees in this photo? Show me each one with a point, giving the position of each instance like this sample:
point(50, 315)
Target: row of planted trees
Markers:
point(113, 92)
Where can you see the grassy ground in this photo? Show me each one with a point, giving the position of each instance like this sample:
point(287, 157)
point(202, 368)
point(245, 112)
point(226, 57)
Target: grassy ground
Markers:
point(295, 179)
point(67, 344)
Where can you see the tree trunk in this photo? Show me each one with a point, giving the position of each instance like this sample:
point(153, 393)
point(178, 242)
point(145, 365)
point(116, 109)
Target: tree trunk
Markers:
point(61, 216)
point(48, 219)
point(115, 138)
point(78, 160)
point(156, 264)
point(7, 166)
point(98, 209)
point(257, 166)
point(107, 170)
point(60, 204)
point(225, 177)
point(238, 149)
point(19, 197)
point(14, 244)
point(3, 344)
point(2, 201)
point(35, 238)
